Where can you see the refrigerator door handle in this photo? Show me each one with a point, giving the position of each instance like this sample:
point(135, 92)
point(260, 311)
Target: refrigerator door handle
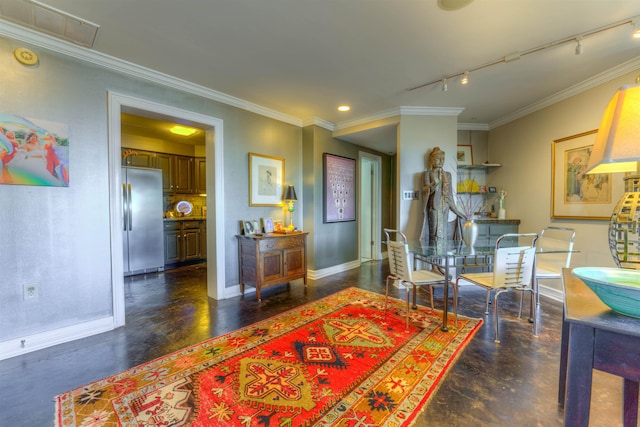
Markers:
point(124, 207)
point(130, 205)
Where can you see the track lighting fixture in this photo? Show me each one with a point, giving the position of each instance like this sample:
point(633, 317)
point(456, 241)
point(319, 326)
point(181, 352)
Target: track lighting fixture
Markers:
point(465, 78)
point(514, 56)
point(636, 29)
point(578, 46)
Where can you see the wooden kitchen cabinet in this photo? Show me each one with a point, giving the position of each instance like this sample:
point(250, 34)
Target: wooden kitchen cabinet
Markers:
point(167, 163)
point(183, 241)
point(200, 175)
point(138, 158)
point(184, 174)
point(271, 259)
point(180, 174)
point(177, 173)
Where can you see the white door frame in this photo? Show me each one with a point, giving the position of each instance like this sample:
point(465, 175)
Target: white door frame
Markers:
point(376, 215)
point(215, 204)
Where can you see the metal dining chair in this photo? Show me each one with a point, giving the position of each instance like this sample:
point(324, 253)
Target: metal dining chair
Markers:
point(512, 270)
point(553, 253)
point(400, 271)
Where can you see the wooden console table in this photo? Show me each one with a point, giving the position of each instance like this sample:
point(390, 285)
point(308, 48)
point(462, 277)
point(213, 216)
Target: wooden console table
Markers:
point(271, 259)
point(595, 337)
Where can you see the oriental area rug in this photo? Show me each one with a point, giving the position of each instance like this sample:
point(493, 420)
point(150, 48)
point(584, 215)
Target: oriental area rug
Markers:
point(339, 361)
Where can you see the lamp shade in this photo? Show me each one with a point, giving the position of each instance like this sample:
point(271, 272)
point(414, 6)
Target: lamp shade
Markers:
point(290, 194)
point(617, 146)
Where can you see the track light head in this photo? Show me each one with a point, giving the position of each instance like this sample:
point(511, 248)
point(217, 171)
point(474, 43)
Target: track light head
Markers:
point(636, 29)
point(578, 46)
point(445, 86)
point(465, 78)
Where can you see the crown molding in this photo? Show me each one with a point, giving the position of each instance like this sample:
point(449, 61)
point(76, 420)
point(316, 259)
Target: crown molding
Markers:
point(317, 121)
point(27, 35)
point(23, 34)
point(400, 111)
point(590, 83)
point(473, 126)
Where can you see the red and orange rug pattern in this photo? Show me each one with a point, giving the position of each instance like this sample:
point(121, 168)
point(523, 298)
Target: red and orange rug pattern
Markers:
point(338, 361)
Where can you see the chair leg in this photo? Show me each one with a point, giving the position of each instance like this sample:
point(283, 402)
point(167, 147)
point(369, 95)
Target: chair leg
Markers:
point(520, 309)
point(406, 326)
point(454, 286)
point(495, 314)
point(431, 295)
point(415, 292)
point(486, 298)
point(386, 295)
point(534, 314)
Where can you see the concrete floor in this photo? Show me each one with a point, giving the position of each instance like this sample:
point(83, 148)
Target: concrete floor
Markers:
point(514, 383)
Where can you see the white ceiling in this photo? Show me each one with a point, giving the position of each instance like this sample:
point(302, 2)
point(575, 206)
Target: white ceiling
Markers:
point(303, 58)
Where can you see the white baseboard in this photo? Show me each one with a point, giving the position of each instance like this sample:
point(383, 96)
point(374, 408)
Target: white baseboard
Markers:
point(18, 346)
point(554, 294)
point(318, 274)
point(234, 291)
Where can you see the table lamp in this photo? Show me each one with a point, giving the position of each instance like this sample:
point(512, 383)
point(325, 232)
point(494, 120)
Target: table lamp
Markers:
point(289, 198)
point(617, 149)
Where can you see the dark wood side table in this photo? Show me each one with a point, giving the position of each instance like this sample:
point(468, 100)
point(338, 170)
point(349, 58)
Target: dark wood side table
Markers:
point(595, 337)
point(271, 259)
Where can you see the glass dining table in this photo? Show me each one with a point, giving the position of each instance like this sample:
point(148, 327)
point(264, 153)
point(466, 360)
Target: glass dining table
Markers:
point(448, 254)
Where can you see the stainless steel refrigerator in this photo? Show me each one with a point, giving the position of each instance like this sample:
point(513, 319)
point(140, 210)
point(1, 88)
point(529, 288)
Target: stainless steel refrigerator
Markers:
point(142, 219)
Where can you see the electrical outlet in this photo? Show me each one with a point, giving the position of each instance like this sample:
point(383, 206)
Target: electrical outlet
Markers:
point(30, 291)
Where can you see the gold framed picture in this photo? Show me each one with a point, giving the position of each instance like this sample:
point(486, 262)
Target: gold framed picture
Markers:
point(574, 194)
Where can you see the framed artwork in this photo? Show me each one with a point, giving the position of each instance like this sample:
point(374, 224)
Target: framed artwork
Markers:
point(249, 228)
point(575, 194)
point(267, 224)
point(33, 151)
point(278, 225)
point(464, 155)
point(492, 190)
point(339, 188)
point(266, 175)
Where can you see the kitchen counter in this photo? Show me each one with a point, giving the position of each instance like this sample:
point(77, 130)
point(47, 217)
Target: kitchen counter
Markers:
point(187, 218)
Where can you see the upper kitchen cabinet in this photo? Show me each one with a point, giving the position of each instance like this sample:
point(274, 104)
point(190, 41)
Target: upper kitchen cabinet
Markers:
point(200, 169)
point(167, 163)
point(177, 173)
point(180, 174)
point(138, 158)
point(184, 175)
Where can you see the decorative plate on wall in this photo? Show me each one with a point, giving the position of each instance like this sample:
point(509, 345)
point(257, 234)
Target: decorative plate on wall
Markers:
point(184, 207)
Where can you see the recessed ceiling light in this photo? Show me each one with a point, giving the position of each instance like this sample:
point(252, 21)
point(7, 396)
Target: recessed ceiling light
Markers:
point(344, 108)
point(183, 130)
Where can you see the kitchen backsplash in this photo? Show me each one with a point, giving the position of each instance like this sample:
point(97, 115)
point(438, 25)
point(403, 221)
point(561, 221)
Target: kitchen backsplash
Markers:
point(199, 204)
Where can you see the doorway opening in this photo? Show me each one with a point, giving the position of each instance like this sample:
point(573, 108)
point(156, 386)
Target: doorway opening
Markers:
point(370, 209)
point(213, 129)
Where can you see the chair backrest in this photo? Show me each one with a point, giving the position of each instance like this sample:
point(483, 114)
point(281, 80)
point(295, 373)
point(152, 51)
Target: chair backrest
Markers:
point(513, 267)
point(513, 262)
point(554, 248)
point(398, 252)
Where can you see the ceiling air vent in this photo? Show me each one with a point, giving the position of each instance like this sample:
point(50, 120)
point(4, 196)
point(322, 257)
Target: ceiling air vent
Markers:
point(50, 20)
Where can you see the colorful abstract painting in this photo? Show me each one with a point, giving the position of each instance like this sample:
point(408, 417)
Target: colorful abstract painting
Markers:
point(33, 151)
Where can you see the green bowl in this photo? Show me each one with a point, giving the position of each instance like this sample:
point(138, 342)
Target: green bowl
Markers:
point(618, 288)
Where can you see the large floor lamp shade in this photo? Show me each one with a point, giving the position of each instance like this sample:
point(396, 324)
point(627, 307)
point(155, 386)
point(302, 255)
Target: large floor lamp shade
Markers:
point(617, 149)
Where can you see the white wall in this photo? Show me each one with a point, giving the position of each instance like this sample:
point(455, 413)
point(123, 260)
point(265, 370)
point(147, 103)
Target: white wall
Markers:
point(59, 238)
point(524, 148)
